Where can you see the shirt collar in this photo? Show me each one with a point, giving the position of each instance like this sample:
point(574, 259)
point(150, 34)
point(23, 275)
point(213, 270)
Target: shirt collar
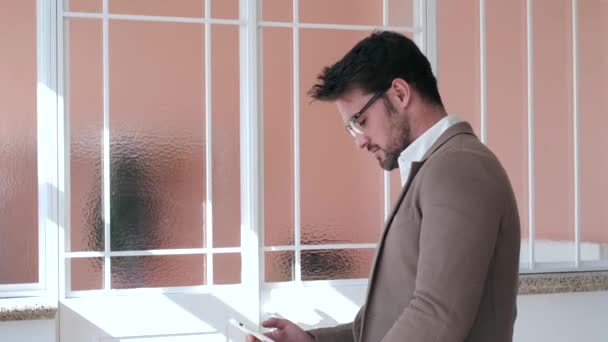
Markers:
point(418, 148)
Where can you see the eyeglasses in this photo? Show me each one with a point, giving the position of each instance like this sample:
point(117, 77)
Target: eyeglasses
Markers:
point(352, 126)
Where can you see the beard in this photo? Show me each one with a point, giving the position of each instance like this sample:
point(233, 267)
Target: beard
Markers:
point(400, 128)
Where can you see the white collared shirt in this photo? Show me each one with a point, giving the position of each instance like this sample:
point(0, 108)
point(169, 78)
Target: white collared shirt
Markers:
point(422, 144)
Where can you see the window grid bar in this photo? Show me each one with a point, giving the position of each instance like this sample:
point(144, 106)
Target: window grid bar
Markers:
point(296, 141)
point(251, 147)
point(575, 92)
point(320, 247)
point(155, 18)
point(63, 156)
point(52, 230)
point(19, 287)
point(565, 267)
point(530, 93)
point(19, 293)
point(482, 71)
point(208, 222)
point(106, 149)
point(195, 289)
point(386, 175)
point(315, 283)
point(42, 172)
point(186, 251)
point(45, 110)
point(336, 26)
point(384, 13)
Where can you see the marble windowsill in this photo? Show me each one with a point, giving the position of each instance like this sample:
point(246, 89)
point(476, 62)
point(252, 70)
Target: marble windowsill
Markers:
point(19, 309)
point(544, 283)
point(26, 309)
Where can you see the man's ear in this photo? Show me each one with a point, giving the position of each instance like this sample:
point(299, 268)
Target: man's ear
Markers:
point(403, 92)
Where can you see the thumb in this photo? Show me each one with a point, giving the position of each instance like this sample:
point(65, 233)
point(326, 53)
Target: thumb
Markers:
point(274, 322)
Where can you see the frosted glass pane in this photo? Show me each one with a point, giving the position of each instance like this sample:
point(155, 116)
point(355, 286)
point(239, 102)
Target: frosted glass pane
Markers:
point(277, 10)
point(279, 266)
point(225, 9)
point(227, 268)
point(336, 264)
point(18, 144)
point(277, 94)
point(83, 6)
point(226, 136)
point(341, 186)
point(173, 8)
point(157, 135)
point(593, 82)
point(553, 181)
point(85, 107)
point(400, 13)
point(158, 271)
point(506, 90)
point(87, 273)
point(361, 12)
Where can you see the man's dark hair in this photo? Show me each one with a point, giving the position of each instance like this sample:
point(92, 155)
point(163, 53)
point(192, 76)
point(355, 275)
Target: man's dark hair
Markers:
point(373, 64)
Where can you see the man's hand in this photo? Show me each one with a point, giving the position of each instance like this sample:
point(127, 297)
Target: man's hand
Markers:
point(284, 331)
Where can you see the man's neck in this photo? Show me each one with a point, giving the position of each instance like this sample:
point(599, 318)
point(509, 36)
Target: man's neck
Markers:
point(427, 116)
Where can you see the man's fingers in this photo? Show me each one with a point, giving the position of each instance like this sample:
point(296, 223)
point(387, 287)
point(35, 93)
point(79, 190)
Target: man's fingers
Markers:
point(274, 322)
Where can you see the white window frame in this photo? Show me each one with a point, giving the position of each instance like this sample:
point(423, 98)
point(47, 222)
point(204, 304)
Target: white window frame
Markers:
point(49, 189)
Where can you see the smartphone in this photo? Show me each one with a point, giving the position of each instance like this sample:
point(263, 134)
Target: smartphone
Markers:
point(255, 333)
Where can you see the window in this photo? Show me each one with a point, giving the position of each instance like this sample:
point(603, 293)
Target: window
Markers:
point(527, 80)
point(24, 185)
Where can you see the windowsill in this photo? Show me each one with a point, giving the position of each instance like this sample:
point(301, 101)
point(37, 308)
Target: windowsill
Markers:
point(36, 308)
point(545, 283)
point(27, 309)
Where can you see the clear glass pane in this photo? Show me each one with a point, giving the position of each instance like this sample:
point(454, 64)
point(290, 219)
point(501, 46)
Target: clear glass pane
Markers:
point(458, 59)
point(226, 136)
point(342, 202)
point(83, 6)
point(225, 9)
point(358, 12)
point(507, 113)
point(336, 264)
point(173, 8)
point(277, 10)
point(84, 86)
point(227, 268)
point(277, 100)
point(87, 273)
point(401, 13)
point(158, 271)
point(279, 266)
point(18, 144)
point(593, 106)
point(157, 134)
point(553, 181)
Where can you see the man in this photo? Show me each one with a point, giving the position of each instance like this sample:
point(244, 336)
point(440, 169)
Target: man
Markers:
point(446, 268)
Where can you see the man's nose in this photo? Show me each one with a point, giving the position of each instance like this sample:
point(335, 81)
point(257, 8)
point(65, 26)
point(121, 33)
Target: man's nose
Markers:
point(361, 140)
